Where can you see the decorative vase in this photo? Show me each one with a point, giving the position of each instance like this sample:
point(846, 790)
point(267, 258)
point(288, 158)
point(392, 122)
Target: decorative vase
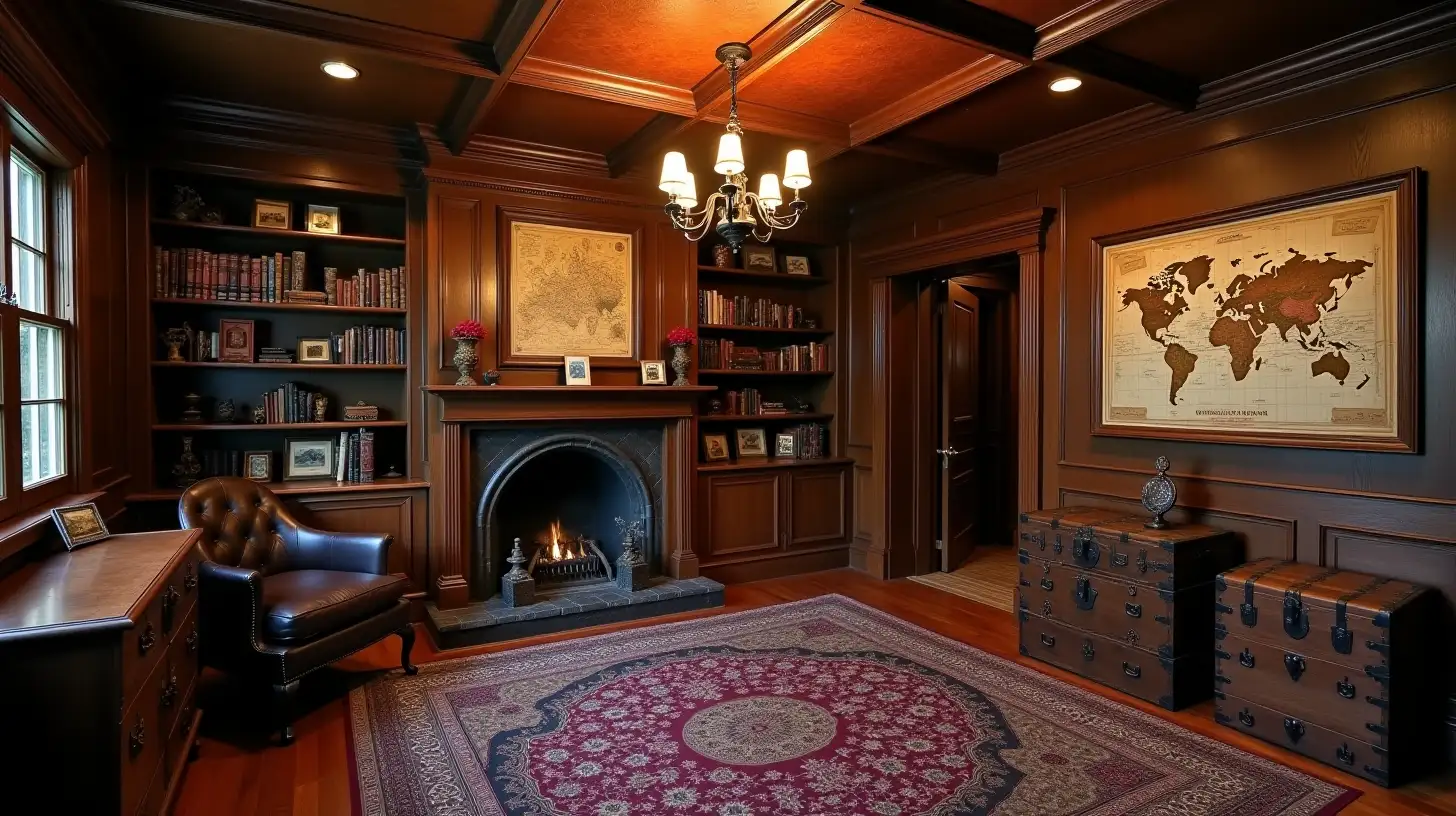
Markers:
point(680, 363)
point(187, 468)
point(320, 408)
point(465, 359)
point(722, 256)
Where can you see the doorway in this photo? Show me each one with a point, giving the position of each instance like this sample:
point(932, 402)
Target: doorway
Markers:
point(976, 374)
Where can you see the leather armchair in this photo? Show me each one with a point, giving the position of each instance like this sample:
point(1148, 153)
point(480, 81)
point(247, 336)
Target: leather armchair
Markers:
point(279, 599)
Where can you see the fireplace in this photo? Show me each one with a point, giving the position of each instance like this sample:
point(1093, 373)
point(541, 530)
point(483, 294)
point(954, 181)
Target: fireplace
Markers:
point(561, 490)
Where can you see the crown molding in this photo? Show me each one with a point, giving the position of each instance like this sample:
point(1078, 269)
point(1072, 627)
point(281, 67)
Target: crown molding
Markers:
point(1014, 232)
point(944, 91)
point(605, 86)
point(533, 156)
point(253, 126)
point(467, 178)
point(404, 44)
point(29, 66)
point(1087, 22)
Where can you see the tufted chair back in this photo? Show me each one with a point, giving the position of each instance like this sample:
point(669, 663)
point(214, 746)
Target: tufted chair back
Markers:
point(243, 524)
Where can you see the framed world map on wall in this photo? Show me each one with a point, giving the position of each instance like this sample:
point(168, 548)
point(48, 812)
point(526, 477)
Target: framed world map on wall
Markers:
point(1292, 322)
point(567, 290)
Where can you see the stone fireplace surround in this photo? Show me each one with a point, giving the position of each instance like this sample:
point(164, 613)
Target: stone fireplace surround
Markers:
point(489, 435)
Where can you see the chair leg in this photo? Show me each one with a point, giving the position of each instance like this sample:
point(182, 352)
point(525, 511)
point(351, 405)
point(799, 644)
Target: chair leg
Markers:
point(285, 698)
point(407, 645)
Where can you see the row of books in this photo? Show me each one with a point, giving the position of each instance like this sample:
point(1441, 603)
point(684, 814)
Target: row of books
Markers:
point(811, 440)
point(354, 459)
point(288, 403)
point(717, 309)
point(384, 288)
point(371, 345)
point(202, 275)
point(722, 353)
point(220, 463)
point(750, 402)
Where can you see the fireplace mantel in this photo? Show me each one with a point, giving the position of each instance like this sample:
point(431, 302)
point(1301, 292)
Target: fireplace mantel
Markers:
point(456, 408)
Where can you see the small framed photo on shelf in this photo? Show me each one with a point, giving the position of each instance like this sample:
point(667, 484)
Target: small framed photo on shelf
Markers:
point(323, 220)
point(759, 258)
point(258, 465)
point(272, 214)
point(315, 350)
point(796, 265)
point(578, 371)
point(236, 345)
point(784, 445)
point(308, 459)
point(654, 372)
point(715, 447)
point(80, 524)
point(752, 442)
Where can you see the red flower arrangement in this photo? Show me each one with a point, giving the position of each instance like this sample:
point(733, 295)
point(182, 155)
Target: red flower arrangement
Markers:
point(681, 336)
point(468, 330)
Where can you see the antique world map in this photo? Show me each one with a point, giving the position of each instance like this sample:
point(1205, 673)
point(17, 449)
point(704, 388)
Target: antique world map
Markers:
point(570, 292)
point(1280, 324)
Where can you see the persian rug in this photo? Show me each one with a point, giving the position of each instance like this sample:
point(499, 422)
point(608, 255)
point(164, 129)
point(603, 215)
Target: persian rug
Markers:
point(823, 707)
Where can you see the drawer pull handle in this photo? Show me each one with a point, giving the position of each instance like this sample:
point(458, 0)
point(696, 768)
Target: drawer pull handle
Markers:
point(189, 581)
point(1294, 729)
point(1046, 583)
point(1133, 610)
point(1246, 659)
point(1088, 652)
point(1345, 755)
point(1119, 559)
point(1048, 641)
point(1131, 671)
point(1346, 689)
point(138, 736)
point(169, 692)
point(1142, 561)
point(1294, 664)
point(147, 640)
point(1057, 544)
point(170, 597)
point(1246, 718)
point(191, 640)
point(1038, 538)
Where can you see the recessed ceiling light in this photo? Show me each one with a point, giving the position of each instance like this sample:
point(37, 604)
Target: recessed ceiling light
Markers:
point(1064, 84)
point(342, 70)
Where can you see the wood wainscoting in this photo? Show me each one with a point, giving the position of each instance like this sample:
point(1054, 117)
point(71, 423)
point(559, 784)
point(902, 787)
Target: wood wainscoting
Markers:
point(771, 520)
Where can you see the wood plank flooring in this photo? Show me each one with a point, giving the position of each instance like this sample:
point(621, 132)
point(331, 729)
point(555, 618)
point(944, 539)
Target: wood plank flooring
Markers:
point(988, 577)
point(239, 772)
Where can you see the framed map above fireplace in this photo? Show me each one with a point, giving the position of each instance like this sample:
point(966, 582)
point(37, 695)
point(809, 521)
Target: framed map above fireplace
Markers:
point(1291, 322)
point(568, 287)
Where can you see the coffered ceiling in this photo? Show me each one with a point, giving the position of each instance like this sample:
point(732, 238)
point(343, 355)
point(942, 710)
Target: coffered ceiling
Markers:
point(880, 92)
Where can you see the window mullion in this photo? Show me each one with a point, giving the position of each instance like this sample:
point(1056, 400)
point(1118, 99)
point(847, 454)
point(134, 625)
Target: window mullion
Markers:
point(10, 389)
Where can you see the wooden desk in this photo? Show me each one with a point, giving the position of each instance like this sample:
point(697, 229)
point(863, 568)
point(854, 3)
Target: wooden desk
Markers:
point(98, 663)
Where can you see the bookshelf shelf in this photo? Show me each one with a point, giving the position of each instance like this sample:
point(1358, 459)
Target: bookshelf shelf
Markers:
point(248, 305)
point(749, 419)
point(277, 426)
point(770, 463)
point(288, 366)
point(725, 328)
point(292, 235)
point(301, 487)
point(718, 273)
point(748, 372)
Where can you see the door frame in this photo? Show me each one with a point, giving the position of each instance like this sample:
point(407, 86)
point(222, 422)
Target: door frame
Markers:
point(903, 360)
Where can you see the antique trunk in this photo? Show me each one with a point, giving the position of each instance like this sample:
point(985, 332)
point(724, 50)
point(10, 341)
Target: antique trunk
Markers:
point(1130, 607)
point(1339, 666)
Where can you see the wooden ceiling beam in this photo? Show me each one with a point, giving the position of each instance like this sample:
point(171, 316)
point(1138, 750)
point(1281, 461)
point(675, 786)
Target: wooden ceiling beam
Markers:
point(516, 29)
point(607, 87)
point(421, 48)
point(1086, 22)
point(946, 91)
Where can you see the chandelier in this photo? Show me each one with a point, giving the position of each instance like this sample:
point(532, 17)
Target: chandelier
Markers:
point(738, 212)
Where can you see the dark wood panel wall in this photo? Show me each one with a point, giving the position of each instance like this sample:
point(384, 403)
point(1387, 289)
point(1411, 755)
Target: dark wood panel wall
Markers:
point(1389, 513)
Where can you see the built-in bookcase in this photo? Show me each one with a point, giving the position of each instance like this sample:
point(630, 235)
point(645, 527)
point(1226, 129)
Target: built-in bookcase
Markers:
point(371, 237)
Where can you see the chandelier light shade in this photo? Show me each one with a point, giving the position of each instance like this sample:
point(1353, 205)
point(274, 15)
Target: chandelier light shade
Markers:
point(732, 210)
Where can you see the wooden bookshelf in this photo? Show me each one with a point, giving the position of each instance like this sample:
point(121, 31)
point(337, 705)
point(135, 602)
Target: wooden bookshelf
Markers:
point(290, 366)
point(748, 372)
point(303, 427)
point(277, 234)
point(724, 328)
point(297, 488)
point(730, 275)
point(251, 305)
point(770, 462)
point(749, 419)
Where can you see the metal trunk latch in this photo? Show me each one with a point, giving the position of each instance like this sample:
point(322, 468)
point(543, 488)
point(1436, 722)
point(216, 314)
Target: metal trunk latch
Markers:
point(1340, 637)
point(1296, 620)
point(1084, 595)
point(1085, 550)
point(1248, 613)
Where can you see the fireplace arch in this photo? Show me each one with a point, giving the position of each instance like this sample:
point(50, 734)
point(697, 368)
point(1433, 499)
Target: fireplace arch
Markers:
point(580, 480)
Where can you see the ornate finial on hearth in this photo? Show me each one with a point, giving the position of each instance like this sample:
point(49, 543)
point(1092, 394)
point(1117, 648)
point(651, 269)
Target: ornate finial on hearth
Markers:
point(631, 566)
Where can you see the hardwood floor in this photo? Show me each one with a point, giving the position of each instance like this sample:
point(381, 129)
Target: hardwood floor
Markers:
point(238, 772)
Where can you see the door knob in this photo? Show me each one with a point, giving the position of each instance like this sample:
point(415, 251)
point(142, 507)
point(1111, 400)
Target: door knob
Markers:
point(946, 454)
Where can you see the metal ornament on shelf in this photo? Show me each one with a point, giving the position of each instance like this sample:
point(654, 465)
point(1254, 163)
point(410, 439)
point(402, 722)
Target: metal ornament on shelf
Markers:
point(1159, 495)
point(188, 468)
point(737, 211)
point(226, 411)
point(631, 566)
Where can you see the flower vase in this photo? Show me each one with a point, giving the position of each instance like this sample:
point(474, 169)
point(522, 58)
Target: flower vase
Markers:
point(465, 359)
point(680, 363)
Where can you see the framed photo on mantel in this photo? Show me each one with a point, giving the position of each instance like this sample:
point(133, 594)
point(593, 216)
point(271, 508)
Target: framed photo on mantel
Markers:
point(1293, 322)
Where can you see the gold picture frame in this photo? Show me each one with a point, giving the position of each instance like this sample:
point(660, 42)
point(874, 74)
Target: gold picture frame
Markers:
point(654, 372)
point(273, 215)
point(80, 524)
point(322, 219)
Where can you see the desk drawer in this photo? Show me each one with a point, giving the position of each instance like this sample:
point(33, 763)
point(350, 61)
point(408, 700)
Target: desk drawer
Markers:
point(143, 739)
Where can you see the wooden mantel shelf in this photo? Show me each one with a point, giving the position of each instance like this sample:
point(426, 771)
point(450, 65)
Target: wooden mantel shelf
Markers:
point(493, 403)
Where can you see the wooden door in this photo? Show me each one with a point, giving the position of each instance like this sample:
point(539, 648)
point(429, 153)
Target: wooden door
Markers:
point(960, 389)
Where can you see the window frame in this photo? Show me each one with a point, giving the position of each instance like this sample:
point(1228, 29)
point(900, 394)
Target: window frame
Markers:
point(59, 234)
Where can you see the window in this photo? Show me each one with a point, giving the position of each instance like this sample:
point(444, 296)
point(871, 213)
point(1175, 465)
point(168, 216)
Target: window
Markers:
point(34, 335)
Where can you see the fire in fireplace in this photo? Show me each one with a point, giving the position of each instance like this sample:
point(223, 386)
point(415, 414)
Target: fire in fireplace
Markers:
point(562, 559)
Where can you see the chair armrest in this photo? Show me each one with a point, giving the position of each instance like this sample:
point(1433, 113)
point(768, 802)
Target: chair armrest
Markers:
point(344, 552)
point(229, 601)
